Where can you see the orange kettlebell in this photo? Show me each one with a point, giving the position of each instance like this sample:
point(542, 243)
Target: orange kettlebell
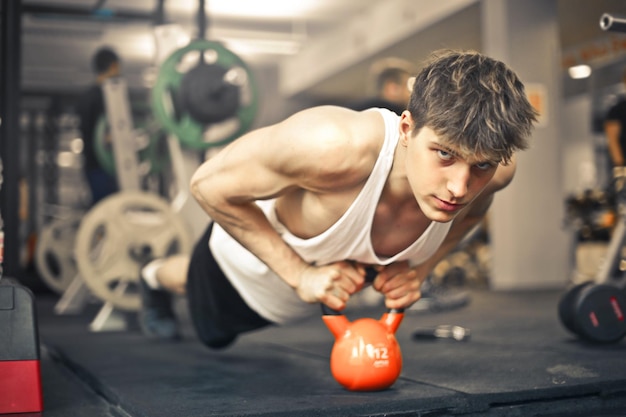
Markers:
point(366, 355)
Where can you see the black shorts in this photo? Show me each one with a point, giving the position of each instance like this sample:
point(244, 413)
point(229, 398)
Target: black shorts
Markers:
point(217, 310)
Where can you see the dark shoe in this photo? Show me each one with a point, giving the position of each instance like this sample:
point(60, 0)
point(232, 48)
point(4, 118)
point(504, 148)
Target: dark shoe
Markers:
point(157, 318)
point(438, 298)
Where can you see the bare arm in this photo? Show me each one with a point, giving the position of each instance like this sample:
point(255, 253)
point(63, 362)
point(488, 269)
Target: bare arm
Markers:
point(302, 154)
point(612, 130)
point(403, 290)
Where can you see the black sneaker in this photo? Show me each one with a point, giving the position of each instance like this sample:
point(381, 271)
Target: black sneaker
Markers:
point(157, 318)
point(438, 298)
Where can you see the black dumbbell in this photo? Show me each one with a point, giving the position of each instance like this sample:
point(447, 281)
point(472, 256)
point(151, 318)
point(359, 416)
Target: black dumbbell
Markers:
point(595, 312)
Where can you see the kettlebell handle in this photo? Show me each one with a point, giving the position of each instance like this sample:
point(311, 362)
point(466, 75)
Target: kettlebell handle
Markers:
point(327, 311)
point(370, 276)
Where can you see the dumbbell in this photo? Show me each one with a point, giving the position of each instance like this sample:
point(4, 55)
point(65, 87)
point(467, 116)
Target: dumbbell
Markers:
point(594, 312)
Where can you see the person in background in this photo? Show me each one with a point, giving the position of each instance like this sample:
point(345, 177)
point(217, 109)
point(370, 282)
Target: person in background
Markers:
point(90, 108)
point(615, 129)
point(615, 132)
point(390, 82)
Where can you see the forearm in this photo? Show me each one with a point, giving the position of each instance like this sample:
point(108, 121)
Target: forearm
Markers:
point(401, 281)
point(247, 224)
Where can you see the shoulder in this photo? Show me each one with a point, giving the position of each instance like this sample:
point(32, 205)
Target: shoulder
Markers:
point(335, 142)
point(503, 177)
point(331, 129)
point(331, 120)
point(617, 110)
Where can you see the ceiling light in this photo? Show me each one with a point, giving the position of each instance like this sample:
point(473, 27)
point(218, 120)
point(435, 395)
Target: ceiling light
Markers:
point(578, 72)
point(250, 8)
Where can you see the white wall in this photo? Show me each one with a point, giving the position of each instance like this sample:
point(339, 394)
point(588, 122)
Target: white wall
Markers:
point(580, 169)
point(529, 245)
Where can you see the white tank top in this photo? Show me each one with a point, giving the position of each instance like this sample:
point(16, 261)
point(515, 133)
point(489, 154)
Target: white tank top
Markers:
point(347, 239)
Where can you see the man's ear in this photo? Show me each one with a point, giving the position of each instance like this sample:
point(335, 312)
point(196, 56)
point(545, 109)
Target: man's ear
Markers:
point(405, 127)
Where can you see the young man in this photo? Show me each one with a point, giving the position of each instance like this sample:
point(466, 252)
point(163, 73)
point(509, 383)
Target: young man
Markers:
point(301, 208)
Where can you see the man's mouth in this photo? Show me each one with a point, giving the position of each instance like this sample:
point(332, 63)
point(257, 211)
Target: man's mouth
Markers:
point(447, 205)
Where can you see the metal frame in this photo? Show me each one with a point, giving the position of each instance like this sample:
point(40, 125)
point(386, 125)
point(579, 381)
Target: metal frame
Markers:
point(122, 135)
point(10, 58)
point(613, 268)
point(115, 93)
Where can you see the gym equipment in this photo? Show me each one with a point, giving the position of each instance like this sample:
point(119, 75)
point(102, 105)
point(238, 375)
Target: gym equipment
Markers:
point(609, 22)
point(120, 233)
point(444, 331)
point(149, 141)
point(54, 255)
point(116, 237)
point(366, 355)
point(205, 95)
point(129, 178)
point(591, 214)
point(122, 132)
point(595, 312)
point(20, 375)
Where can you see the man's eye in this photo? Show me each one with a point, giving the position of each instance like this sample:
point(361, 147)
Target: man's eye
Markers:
point(446, 156)
point(485, 166)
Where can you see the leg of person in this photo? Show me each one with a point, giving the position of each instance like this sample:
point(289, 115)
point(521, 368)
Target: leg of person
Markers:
point(218, 312)
point(160, 279)
point(171, 274)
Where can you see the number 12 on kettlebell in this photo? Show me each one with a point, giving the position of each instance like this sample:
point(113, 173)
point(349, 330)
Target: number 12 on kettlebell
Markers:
point(366, 355)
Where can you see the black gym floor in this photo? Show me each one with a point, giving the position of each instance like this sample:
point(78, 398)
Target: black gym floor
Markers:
point(519, 361)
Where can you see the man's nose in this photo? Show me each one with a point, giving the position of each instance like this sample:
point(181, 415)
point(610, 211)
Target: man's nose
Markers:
point(458, 182)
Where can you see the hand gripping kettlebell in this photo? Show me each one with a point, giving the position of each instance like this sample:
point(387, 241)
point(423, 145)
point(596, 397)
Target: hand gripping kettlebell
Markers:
point(366, 355)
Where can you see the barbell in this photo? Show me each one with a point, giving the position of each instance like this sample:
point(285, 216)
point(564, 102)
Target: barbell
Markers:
point(54, 254)
point(205, 95)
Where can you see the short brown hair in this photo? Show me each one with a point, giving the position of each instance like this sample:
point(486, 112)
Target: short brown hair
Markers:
point(474, 102)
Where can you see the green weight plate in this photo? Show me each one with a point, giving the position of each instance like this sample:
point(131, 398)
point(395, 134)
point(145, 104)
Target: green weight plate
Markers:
point(190, 133)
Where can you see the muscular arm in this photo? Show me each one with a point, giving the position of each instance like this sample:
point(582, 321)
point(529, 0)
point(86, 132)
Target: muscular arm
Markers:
point(305, 153)
point(227, 186)
point(612, 130)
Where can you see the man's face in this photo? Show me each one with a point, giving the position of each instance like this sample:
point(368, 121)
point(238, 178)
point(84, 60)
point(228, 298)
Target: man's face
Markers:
point(442, 179)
